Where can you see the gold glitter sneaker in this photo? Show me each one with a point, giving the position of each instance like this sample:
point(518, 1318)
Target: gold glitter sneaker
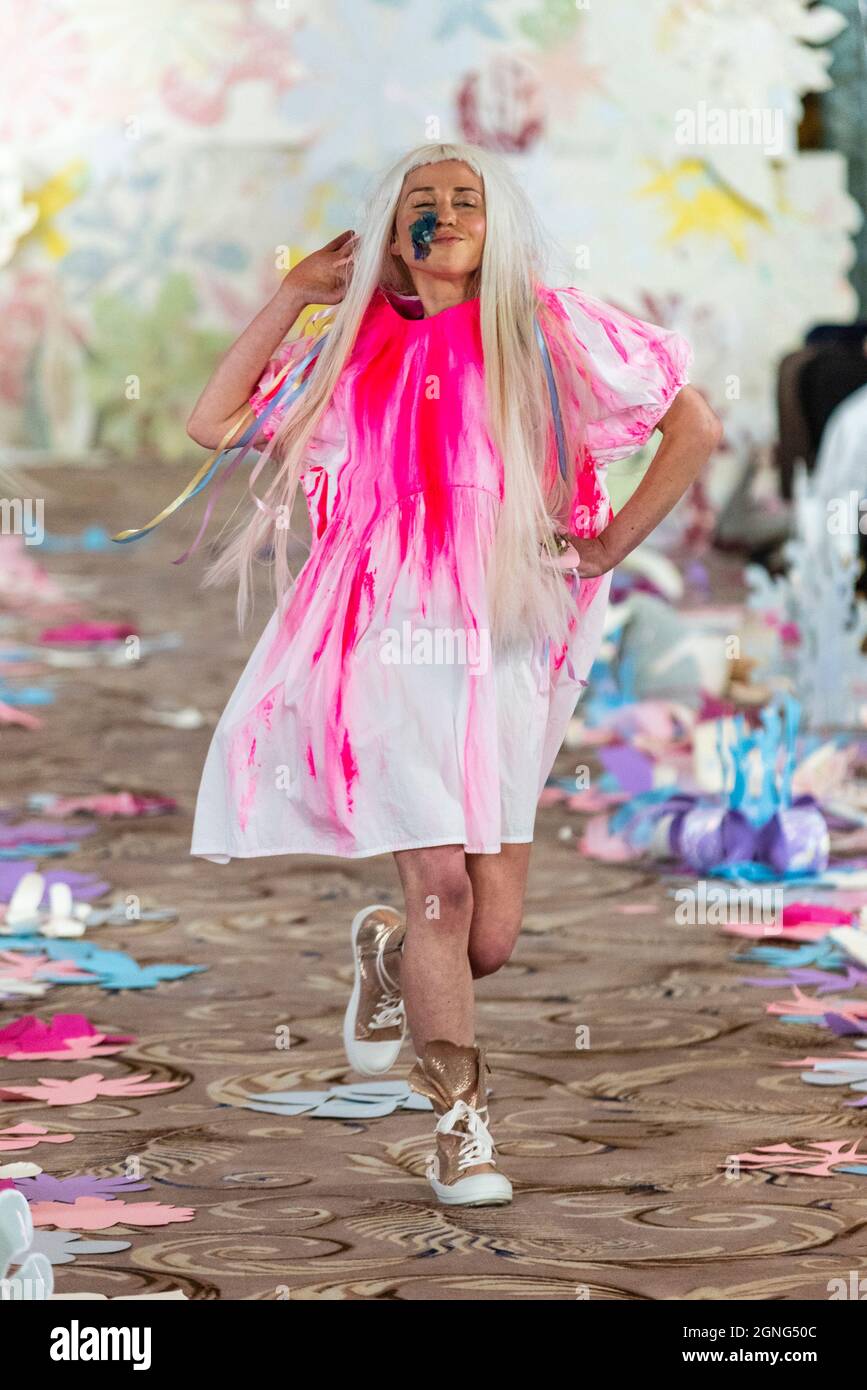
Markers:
point(462, 1172)
point(374, 1024)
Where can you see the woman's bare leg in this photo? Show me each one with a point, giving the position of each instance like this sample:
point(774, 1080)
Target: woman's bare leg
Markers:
point(499, 884)
point(435, 975)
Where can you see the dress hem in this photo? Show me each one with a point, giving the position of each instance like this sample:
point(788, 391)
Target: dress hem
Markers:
point(364, 853)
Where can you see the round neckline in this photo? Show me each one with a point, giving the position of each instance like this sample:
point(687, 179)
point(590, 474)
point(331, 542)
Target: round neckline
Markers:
point(414, 299)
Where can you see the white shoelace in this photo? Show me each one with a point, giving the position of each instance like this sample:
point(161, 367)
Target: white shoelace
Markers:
point(389, 1012)
point(477, 1146)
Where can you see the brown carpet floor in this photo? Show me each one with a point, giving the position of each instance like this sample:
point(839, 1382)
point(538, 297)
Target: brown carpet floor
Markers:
point(613, 1151)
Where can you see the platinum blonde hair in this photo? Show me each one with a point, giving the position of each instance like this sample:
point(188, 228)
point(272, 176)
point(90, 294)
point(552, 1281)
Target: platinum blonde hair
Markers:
point(525, 595)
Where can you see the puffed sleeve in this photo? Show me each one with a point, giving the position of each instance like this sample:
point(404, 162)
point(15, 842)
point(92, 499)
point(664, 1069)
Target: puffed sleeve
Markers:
point(635, 370)
point(293, 352)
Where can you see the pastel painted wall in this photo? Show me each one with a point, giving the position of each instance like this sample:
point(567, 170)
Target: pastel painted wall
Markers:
point(157, 156)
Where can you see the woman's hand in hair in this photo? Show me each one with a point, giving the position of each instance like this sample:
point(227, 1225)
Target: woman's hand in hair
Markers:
point(322, 277)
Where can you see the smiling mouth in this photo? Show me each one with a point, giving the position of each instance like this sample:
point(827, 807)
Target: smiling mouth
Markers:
point(445, 238)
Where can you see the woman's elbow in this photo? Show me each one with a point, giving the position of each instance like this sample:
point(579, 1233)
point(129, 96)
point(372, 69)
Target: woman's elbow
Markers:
point(691, 416)
point(713, 429)
point(201, 433)
point(706, 423)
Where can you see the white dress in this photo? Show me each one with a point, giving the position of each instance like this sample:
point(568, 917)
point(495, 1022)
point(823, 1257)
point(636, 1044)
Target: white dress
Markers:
point(372, 715)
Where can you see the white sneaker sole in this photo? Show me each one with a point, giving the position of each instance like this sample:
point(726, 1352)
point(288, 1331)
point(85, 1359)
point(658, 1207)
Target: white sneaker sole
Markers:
point(477, 1190)
point(369, 1058)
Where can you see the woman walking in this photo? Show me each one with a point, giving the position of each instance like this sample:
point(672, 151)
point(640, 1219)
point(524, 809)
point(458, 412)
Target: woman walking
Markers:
point(449, 424)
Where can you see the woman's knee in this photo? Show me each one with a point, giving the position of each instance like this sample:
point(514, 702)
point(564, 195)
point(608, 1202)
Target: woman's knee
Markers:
point(487, 957)
point(437, 885)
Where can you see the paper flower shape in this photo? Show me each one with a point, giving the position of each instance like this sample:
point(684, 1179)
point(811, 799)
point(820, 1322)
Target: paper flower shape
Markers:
point(365, 1100)
point(819, 1158)
point(66, 1037)
point(803, 1006)
point(98, 1213)
point(45, 1187)
point(62, 1247)
point(27, 1136)
point(110, 804)
point(88, 632)
point(82, 1089)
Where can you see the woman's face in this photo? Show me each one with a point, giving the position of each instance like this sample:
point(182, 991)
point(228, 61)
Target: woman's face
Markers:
point(440, 221)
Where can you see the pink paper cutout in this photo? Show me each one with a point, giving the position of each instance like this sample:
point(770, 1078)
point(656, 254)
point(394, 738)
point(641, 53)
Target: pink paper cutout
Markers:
point(795, 913)
point(111, 804)
point(98, 1213)
point(756, 931)
point(88, 632)
point(80, 1090)
point(67, 1036)
point(10, 714)
point(783, 1157)
point(805, 1004)
point(835, 1057)
point(28, 1136)
point(598, 843)
point(16, 965)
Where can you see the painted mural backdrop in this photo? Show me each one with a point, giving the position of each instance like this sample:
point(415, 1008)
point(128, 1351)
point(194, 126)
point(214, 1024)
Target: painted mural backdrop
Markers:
point(156, 156)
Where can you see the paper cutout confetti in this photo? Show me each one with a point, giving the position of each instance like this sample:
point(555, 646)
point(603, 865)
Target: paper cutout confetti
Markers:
point(364, 1101)
point(66, 1037)
point(80, 1090)
point(99, 1213)
point(819, 1158)
point(27, 1136)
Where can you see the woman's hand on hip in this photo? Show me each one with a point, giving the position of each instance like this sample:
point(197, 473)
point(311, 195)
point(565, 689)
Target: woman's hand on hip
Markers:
point(595, 558)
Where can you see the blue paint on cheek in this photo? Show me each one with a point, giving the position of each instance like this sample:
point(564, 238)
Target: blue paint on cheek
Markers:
point(421, 233)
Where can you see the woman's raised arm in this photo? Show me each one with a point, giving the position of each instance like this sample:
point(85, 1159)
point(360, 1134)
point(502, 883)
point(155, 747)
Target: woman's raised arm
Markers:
point(318, 279)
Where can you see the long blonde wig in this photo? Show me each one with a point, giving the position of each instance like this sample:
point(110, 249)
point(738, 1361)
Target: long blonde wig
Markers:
point(525, 595)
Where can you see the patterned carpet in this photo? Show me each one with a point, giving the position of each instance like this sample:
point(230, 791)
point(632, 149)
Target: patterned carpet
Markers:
point(613, 1150)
